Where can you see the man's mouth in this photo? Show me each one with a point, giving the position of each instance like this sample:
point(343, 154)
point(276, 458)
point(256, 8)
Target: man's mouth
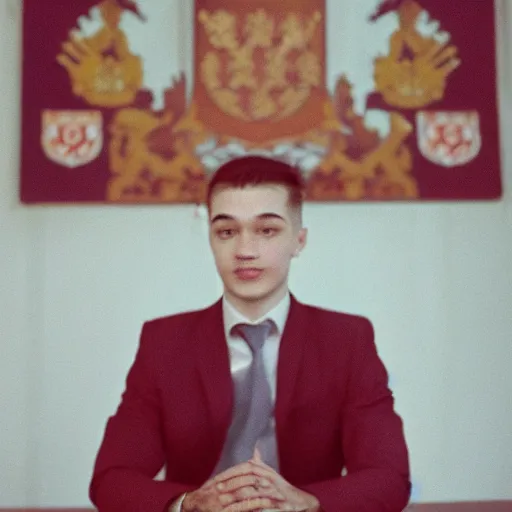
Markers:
point(248, 274)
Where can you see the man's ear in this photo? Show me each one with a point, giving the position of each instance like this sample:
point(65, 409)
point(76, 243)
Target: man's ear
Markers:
point(302, 237)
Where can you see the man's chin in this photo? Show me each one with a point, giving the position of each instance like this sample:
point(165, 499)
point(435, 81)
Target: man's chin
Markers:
point(248, 292)
point(252, 297)
point(254, 294)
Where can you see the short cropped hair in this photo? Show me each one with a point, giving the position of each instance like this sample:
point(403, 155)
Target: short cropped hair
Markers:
point(258, 170)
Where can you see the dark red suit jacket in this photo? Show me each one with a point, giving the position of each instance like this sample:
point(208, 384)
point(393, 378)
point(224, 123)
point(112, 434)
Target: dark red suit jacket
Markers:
point(333, 411)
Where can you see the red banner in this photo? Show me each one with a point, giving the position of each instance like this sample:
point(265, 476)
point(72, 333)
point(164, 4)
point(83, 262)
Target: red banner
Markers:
point(400, 103)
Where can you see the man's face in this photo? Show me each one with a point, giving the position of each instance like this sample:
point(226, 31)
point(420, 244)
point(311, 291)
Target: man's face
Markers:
point(254, 234)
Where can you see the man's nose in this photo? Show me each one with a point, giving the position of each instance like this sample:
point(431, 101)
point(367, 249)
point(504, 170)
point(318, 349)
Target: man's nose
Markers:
point(247, 246)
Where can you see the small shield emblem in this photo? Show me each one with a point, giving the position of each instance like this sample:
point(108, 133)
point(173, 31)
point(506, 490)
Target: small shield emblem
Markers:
point(449, 138)
point(72, 137)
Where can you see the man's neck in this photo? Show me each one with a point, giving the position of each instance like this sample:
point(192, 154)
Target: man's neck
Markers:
point(253, 310)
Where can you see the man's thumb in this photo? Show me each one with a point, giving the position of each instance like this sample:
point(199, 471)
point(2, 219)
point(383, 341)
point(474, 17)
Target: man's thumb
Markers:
point(256, 455)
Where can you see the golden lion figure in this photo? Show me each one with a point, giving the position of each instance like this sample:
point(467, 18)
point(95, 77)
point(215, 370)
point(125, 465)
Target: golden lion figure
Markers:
point(150, 153)
point(102, 69)
point(138, 173)
point(384, 173)
point(128, 152)
point(361, 164)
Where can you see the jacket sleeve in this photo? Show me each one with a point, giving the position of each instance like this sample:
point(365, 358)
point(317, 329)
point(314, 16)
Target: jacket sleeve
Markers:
point(132, 452)
point(373, 442)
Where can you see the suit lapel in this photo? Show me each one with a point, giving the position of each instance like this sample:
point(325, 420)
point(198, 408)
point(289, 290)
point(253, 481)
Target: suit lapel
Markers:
point(212, 358)
point(291, 352)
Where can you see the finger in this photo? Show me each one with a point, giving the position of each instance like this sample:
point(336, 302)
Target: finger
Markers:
point(227, 499)
point(246, 468)
point(238, 482)
point(257, 455)
point(267, 474)
point(261, 469)
point(246, 493)
point(260, 463)
point(208, 485)
point(251, 504)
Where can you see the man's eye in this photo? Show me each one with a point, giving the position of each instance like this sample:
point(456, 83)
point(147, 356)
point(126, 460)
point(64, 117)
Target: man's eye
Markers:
point(225, 233)
point(268, 231)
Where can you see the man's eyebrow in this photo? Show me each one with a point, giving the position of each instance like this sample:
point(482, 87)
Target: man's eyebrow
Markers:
point(270, 215)
point(261, 216)
point(221, 216)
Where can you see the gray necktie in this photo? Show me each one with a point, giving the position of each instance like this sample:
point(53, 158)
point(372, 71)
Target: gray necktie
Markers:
point(253, 406)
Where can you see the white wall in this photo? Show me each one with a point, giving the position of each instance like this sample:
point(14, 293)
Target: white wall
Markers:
point(77, 283)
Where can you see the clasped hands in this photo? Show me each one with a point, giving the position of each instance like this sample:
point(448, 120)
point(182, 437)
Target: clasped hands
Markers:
point(247, 487)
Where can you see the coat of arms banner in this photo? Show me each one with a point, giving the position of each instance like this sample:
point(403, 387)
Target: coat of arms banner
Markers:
point(129, 101)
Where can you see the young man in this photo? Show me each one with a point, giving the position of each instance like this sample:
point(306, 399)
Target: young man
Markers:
point(243, 425)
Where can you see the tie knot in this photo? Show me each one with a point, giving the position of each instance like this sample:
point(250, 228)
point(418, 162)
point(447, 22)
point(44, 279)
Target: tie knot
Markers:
point(255, 335)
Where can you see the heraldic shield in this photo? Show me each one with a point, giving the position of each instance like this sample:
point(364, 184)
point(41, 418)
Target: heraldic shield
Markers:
point(259, 67)
point(449, 138)
point(72, 138)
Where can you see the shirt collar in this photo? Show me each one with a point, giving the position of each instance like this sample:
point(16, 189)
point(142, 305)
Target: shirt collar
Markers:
point(278, 315)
